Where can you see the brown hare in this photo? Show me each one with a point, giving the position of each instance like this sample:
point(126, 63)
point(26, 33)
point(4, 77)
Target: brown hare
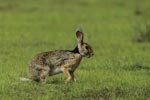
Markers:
point(54, 62)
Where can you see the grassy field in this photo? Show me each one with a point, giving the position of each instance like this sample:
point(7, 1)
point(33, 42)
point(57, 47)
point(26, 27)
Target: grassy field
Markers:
point(119, 70)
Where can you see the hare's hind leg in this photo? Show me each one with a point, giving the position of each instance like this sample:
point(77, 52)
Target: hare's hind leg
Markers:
point(34, 73)
point(44, 74)
point(39, 73)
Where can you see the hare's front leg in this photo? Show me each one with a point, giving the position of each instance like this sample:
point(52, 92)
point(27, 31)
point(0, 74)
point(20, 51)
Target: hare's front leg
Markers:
point(72, 75)
point(69, 74)
point(44, 74)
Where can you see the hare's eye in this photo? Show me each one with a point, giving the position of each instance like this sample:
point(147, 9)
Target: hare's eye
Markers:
point(87, 47)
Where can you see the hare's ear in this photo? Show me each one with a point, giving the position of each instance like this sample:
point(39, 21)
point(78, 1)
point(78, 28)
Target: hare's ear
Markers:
point(79, 35)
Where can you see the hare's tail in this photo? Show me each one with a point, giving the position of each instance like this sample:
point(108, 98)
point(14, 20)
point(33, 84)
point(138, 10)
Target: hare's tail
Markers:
point(24, 79)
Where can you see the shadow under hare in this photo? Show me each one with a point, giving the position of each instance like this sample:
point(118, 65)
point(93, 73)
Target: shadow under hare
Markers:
point(60, 61)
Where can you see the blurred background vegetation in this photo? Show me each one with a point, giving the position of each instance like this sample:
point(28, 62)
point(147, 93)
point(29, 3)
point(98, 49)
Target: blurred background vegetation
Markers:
point(118, 31)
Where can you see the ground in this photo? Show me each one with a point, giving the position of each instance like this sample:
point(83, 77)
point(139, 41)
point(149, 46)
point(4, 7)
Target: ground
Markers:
point(119, 70)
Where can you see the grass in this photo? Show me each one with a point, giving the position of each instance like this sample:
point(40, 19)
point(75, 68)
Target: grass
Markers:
point(119, 70)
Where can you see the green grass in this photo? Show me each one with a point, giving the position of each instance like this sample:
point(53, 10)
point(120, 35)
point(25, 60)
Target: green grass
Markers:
point(119, 70)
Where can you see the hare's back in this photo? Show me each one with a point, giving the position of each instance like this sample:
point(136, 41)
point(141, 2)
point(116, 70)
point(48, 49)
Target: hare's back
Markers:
point(55, 58)
point(61, 57)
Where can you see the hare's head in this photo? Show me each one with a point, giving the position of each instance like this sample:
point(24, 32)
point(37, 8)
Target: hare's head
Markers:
point(84, 48)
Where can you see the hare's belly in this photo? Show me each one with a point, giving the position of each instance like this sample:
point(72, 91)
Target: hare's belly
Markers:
point(59, 70)
point(56, 71)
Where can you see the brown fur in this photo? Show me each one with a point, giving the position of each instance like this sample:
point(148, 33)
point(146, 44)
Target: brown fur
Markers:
point(53, 62)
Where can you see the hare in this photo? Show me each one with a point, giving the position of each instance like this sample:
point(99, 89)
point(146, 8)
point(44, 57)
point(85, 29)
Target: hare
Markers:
point(60, 61)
